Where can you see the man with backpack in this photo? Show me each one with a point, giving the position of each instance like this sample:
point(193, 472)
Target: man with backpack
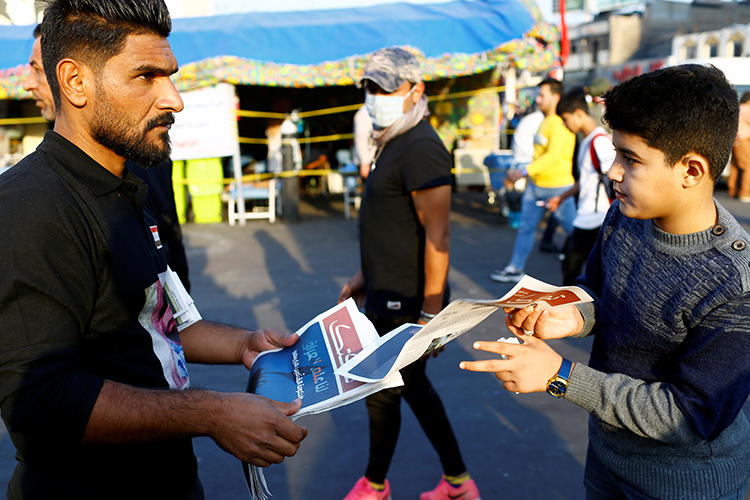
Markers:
point(595, 155)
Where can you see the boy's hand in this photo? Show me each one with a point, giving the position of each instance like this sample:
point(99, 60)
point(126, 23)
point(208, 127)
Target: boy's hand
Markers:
point(544, 322)
point(527, 368)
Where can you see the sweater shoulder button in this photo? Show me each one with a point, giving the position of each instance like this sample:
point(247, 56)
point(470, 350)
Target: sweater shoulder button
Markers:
point(739, 245)
point(718, 229)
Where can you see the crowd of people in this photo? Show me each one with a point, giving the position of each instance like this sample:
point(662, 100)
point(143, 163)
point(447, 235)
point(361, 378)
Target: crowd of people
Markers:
point(89, 336)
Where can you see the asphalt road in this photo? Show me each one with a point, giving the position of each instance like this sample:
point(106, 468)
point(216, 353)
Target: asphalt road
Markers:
point(281, 275)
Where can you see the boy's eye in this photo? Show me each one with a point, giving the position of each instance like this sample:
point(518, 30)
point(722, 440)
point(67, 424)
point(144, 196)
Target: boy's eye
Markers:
point(147, 76)
point(627, 160)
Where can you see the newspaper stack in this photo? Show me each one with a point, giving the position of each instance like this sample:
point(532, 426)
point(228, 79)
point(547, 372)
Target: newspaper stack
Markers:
point(340, 358)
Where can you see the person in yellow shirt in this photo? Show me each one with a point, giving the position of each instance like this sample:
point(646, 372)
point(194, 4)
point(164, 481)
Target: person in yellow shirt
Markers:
point(550, 174)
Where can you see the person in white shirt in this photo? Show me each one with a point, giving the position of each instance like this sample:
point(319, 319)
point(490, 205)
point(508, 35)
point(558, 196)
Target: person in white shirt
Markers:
point(595, 156)
point(523, 138)
point(522, 147)
point(364, 146)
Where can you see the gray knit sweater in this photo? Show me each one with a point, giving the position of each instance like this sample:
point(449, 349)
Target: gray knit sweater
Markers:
point(670, 364)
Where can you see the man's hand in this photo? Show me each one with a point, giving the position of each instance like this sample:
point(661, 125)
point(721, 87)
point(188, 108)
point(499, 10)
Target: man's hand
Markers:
point(354, 288)
point(543, 321)
point(527, 368)
point(514, 175)
point(264, 340)
point(553, 203)
point(255, 429)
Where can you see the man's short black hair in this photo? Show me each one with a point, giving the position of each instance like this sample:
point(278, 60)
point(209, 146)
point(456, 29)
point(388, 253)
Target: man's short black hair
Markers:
point(555, 86)
point(95, 30)
point(37, 31)
point(572, 100)
point(678, 110)
point(745, 97)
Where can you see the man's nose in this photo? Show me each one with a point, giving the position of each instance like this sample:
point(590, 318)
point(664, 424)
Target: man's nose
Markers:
point(170, 99)
point(29, 83)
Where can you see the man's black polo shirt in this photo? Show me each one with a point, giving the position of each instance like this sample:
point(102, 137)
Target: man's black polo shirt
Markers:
point(81, 302)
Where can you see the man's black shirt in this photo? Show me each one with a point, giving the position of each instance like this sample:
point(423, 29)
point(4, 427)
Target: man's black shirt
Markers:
point(390, 234)
point(81, 302)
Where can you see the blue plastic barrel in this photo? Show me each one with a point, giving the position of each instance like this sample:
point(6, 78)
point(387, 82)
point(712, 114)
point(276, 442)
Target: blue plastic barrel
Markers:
point(498, 165)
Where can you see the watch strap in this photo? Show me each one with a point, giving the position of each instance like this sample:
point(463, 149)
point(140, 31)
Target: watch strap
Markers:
point(557, 386)
point(566, 368)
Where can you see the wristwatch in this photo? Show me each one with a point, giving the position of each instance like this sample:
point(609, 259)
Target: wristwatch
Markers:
point(558, 385)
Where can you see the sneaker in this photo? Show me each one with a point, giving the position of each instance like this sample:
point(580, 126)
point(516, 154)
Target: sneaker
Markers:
point(364, 491)
point(444, 491)
point(508, 275)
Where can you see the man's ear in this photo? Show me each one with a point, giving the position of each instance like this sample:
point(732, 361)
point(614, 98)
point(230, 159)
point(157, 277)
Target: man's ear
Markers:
point(71, 77)
point(695, 169)
point(418, 91)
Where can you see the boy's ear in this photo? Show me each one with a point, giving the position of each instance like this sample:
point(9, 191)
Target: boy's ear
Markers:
point(695, 169)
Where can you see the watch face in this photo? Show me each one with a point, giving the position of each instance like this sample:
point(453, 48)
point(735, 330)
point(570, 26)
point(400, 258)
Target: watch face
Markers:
point(557, 388)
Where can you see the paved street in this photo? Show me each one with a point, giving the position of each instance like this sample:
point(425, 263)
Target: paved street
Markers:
point(279, 276)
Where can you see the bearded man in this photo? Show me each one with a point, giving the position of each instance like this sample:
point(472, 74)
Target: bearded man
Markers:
point(94, 387)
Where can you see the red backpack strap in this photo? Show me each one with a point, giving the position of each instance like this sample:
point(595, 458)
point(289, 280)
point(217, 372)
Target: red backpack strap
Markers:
point(594, 156)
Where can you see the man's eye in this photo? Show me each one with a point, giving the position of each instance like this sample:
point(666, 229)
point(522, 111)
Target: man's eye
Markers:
point(146, 76)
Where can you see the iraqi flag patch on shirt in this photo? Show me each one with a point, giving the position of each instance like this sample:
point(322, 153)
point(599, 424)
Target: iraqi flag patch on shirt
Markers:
point(155, 234)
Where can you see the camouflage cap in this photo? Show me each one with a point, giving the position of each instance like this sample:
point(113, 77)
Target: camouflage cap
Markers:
point(390, 67)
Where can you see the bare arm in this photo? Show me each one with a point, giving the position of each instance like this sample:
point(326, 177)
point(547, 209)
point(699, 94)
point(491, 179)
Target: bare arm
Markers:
point(433, 210)
point(214, 343)
point(252, 428)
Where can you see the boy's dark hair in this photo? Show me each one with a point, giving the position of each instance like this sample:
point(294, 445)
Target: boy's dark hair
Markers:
point(555, 86)
point(572, 100)
point(678, 110)
point(745, 97)
point(93, 31)
point(37, 31)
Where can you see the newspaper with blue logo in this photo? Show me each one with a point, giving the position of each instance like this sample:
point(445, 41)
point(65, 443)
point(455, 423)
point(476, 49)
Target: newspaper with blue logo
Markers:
point(340, 358)
point(308, 371)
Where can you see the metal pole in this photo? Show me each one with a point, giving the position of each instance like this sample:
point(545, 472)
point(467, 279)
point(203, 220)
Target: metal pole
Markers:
point(289, 183)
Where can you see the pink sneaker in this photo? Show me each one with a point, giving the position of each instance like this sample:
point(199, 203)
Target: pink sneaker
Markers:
point(363, 491)
point(444, 491)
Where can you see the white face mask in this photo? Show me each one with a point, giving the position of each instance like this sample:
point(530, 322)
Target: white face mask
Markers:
point(385, 109)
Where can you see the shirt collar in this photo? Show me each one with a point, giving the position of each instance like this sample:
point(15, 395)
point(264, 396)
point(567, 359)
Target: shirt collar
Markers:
point(66, 154)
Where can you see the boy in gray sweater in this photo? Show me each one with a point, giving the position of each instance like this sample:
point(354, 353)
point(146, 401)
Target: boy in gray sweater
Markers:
point(670, 275)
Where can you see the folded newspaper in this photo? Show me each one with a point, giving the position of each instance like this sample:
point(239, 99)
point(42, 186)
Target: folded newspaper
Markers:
point(410, 342)
point(340, 358)
point(307, 370)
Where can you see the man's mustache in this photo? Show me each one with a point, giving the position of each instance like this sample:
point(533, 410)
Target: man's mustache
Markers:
point(166, 119)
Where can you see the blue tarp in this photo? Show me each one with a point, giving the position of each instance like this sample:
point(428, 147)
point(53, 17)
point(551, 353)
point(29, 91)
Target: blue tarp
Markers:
point(311, 37)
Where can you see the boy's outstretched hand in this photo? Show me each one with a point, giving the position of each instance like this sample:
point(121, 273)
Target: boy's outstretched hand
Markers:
point(527, 368)
point(544, 322)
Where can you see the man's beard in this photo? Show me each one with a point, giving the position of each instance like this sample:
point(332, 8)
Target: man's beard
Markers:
point(116, 134)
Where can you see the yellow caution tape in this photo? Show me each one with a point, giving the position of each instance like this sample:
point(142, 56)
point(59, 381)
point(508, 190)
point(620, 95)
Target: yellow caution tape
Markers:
point(353, 107)
point(22, 121)
point(260, 114)
point(319, 172)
